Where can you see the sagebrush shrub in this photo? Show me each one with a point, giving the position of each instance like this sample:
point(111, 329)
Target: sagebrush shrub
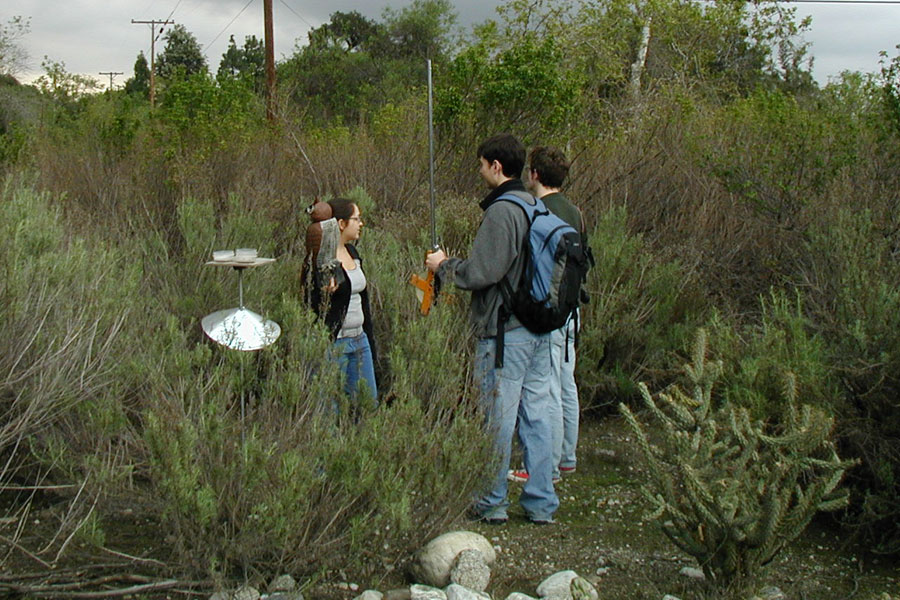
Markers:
point(640, 310)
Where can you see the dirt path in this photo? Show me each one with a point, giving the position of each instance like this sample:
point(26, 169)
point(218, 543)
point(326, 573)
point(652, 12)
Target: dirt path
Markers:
point(600, 533)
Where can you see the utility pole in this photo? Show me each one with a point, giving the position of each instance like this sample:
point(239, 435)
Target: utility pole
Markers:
point(153, 23)
point(270, 61)
point(111, 75)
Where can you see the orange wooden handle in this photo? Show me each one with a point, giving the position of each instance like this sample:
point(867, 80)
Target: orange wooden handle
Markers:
point(427, 287)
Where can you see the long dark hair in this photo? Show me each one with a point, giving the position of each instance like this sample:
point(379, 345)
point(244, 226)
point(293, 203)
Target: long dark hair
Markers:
point(342, 208)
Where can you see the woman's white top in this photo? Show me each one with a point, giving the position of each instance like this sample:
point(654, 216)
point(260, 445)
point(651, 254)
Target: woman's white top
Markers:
point(353, 320)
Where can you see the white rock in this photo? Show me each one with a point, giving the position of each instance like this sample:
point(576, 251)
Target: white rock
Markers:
point(455, 591)
point(246, 592)
point(669, 597)
point(470, 570)
point(557, 586)
point(426, 592)
point(283, 583)
point(692, 573)
point(370, 595)
point(771, 593)
point(519, 596)
point(431, 565)
point(398, 594)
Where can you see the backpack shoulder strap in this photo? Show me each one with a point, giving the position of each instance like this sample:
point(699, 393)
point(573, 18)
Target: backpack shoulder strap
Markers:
point(528, 203)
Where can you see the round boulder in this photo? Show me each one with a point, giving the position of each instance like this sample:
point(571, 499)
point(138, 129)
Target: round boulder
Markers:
point(433, 562)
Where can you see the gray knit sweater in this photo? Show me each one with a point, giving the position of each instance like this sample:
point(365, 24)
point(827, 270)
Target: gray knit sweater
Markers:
point(495, 254)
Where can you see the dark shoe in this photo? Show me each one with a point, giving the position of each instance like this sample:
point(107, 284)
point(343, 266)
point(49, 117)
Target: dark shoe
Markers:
point(477, 517)
point(547, 521)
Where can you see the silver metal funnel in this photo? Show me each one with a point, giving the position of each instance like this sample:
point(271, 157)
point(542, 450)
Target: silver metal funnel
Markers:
point(240, 329)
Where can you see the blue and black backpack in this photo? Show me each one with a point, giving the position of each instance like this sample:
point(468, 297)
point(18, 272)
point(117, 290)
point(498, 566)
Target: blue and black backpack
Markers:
point(556, 266)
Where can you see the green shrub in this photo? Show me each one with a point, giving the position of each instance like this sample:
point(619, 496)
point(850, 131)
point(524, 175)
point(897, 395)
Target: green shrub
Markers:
point(758, 354)
point(306, 492)
point(639, 312)
point(856, 305)
point(65, 304)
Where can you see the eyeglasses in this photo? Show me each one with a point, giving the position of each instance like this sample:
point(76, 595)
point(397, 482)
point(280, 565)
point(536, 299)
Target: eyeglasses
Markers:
point(355, 219)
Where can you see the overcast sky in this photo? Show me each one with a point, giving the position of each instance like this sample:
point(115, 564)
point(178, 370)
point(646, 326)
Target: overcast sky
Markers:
point(93, 36)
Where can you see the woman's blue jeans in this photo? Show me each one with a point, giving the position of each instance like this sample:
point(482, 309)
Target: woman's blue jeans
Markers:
point(354, 356)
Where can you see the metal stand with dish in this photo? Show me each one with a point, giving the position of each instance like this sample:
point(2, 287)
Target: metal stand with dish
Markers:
point(239, 328)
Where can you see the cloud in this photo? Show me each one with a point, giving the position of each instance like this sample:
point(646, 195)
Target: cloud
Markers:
point(90, 36)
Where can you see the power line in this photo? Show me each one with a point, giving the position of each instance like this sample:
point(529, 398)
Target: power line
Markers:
point(153, 23)
point(218, 35)
point(111, 75)
point(168, 18)
point(299, 16)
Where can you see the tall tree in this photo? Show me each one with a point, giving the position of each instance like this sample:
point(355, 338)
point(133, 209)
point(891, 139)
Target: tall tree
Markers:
point(182, 53)
point(63, 86)
point(424, 29)
point(732, 44)
point(139, 84)
point(247, 62)
point(353, 65)
point(12, 54)
point(349, 31)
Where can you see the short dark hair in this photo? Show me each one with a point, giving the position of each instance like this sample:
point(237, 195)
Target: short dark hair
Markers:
point(550, 164)
point(342, 208)
point(506, 149)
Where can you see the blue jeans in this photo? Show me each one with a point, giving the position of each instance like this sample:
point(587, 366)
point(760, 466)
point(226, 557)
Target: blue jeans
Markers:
point(354, 356)
point(564, 392)
point(521, 388)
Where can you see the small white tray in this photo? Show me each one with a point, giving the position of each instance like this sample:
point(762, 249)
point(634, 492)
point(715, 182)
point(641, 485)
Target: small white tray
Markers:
point(254, 262)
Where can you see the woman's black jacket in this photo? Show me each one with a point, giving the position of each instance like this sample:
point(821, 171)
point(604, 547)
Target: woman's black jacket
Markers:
point(335, 305)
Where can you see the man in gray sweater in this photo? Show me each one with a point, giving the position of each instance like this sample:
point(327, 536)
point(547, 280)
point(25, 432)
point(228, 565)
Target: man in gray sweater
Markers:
point(520, 388)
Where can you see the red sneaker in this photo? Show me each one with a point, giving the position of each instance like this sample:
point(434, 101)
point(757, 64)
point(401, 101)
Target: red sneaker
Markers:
point(521, 476)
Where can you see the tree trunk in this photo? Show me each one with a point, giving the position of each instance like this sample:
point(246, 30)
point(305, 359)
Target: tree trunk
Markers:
point(637, 67)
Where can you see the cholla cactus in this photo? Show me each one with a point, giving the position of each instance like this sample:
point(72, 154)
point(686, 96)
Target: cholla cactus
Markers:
point(728, 491)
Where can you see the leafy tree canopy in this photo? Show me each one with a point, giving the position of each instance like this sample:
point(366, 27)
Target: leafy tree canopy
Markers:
point(140, 83)
point(732, 44)
point(182, 53)
point(63, 86)
point(12, 54)
point(353, 64)
point(247, 62)
point(349, 31)
point(419, 31)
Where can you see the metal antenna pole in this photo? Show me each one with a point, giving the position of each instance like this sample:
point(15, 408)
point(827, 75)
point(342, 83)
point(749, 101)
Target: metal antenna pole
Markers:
point(243, 402)
point(240, 287)
point(434, 244)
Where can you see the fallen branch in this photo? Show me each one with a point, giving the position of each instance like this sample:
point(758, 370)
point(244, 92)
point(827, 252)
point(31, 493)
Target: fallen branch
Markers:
point(133, 558)
point(15, 545)
point(62, 591)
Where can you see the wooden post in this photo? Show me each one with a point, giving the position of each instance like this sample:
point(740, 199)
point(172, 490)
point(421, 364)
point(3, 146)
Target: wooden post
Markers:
point(270, 61)
point(153, 23)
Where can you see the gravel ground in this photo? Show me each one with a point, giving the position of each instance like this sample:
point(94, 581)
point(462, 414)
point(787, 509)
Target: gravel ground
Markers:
point(600, 533)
